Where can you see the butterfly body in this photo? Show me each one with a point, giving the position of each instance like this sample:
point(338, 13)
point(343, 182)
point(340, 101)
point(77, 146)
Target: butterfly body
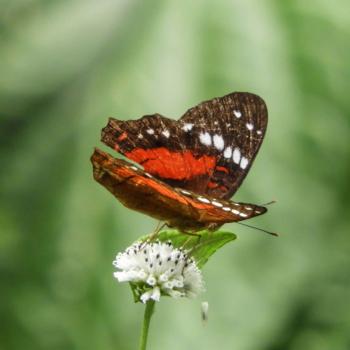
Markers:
point(191, 167)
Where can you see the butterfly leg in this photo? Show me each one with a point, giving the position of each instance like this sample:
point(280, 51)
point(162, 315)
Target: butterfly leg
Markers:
point(155, 233)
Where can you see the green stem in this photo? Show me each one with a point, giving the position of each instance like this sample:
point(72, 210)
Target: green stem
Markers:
point(146, 321)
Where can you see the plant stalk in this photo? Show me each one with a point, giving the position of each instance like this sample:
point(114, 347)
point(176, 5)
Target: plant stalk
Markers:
point(146, 322)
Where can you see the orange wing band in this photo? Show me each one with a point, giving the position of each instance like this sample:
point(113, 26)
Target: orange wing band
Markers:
point(172, 165)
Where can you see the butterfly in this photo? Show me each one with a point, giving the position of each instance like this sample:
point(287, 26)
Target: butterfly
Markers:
point(184, 172)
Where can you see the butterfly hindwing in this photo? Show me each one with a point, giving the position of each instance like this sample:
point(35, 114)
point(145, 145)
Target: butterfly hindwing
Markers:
point(180, 208)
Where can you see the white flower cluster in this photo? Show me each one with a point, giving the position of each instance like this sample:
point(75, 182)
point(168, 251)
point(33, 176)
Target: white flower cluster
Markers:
point(157, 269)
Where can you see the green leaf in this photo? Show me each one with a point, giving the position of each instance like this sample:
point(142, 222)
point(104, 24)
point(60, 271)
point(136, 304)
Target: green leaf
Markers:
point(201, 247)
point(137, 290)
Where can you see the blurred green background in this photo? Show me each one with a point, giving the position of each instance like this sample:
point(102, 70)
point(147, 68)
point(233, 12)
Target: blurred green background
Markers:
point(65, 66)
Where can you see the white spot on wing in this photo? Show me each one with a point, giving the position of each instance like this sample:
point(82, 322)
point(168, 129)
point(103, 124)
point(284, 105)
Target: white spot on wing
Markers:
point(235, 211)
point(205, 138)
point(243, 215)
point(226, 208)
point(185, 192)
point(203, 200)
point(166, 133)
point(133, 167)
point(219, 142)
point(228, 152)
point(244, 163)
point(140, 136)
point(237, 113)
point(187, 127)
point(236, 155)
point(250, 126)
point(259, 132)
point(217, 204)
point(150, 131)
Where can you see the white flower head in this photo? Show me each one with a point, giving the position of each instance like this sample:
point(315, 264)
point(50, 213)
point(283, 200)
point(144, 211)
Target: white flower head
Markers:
point(155, 269)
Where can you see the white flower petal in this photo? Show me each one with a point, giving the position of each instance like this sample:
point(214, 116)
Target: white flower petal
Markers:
point(146, 296)
point(176, 294)
point(151, 280)
point(163, 277)
point(159, 268)
point(124, 276)
point(178, 283)
point(168, 285)
point(142, 275)
point(155, 294)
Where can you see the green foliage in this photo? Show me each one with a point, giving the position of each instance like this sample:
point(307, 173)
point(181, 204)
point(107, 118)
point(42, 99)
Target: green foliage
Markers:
point(66, 66)
point(200, 247)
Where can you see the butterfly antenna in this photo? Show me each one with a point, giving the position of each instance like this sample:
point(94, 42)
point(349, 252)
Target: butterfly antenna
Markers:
point(269, 203)
point(259, 229)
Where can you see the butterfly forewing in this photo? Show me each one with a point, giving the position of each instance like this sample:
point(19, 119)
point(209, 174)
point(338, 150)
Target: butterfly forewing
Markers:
point(208, 151)
point(232, 128)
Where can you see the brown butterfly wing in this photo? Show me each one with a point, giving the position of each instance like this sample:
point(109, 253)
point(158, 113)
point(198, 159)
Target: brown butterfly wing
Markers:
point(180, 208)
point(209, 150)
